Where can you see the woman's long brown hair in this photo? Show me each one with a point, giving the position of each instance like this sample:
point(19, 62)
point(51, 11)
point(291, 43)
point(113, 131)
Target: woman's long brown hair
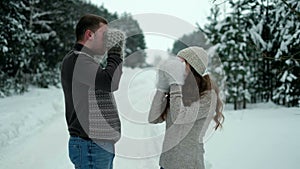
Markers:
point(204, 83)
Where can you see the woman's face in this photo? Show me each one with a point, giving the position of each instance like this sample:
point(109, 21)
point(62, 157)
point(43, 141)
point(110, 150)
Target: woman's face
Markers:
point(187, 65)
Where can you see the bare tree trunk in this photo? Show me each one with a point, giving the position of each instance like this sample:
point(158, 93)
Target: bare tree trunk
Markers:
point(244, 95)
point(235, 104)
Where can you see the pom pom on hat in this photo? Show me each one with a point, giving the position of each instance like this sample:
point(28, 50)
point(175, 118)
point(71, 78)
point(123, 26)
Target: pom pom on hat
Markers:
point(196, 57)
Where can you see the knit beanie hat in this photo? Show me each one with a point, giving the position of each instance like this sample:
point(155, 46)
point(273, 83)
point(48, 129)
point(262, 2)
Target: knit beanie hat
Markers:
point(196, 57)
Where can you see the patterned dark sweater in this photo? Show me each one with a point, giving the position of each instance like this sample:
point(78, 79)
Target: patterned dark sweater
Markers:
point(91, 112)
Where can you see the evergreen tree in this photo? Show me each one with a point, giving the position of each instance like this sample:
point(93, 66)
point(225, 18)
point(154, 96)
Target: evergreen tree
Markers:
point(195, 38)
point(286, 46)
point(258, 43)
point(277, 38)
point(135, 41)
point(238, 54)
point(16, 44)
point(61, 17)
point(233, 50)
point(213, 35)
point(37, 34)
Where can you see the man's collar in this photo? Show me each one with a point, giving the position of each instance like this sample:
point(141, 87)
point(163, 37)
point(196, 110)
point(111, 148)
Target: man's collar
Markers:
point(82, 48)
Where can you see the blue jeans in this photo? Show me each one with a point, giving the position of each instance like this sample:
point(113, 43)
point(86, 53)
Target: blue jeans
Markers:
point(86, 154)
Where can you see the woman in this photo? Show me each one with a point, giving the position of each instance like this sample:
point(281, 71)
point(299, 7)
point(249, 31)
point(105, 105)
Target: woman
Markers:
point(193, 102)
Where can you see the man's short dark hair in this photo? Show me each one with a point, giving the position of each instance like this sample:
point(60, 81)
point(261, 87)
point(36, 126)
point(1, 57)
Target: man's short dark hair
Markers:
point(88, 22)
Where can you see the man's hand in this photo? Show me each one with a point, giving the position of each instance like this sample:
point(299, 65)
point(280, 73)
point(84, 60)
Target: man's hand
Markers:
point(114, 42)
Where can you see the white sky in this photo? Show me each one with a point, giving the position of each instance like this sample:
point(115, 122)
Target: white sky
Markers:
point(188, 11)
point(191, 11)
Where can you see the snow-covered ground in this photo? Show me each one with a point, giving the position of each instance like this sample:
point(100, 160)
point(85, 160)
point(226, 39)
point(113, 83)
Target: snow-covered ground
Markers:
point(33, 132)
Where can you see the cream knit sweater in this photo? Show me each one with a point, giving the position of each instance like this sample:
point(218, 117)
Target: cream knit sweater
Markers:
point(185, 129)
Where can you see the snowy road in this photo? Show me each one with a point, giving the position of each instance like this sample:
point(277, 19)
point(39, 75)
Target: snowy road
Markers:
point(43, 150)
point(33, 131)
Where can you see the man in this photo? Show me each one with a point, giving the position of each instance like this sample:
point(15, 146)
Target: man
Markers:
point(91, 112)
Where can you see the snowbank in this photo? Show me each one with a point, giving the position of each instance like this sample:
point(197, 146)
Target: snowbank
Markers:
point(22, 115)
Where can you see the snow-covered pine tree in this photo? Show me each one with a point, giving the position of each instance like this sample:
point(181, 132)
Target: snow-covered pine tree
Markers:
point(35, 37)
point(213, 35)
point(253, 16)
point(216, 71)
point(271, 34)
point(234, 51)
point(135, 41)
point(196, 38)
point(53, 23)
point(16, 44)
point(239, 49)
point(40, 23)
point(285, 44)
point(277, 37)
point(212, 30)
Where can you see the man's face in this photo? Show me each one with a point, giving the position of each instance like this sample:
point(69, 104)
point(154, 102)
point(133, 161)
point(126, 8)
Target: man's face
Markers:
point(98, 45)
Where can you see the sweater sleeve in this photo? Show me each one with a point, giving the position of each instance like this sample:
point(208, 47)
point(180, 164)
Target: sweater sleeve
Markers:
point(181, 114)
point(88, 72)
point(157, 107)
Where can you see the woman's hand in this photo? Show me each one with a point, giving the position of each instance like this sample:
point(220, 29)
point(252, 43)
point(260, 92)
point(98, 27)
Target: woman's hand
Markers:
point(172, 71)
